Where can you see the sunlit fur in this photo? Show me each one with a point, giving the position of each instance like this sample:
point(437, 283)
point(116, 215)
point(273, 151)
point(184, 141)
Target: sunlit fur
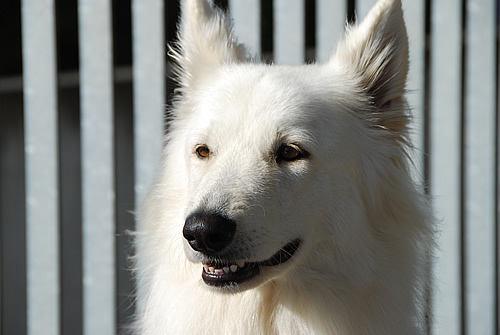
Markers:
point(365, 227)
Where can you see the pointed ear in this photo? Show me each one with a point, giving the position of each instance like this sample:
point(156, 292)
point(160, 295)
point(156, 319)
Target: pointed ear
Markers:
point(375, 53)
point(206, 40)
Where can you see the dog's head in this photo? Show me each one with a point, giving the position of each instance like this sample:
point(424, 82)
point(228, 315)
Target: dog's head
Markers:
point(276, 155)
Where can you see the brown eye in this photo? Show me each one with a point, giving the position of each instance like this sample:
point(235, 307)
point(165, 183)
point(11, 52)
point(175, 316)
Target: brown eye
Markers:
point(289, 153)
point(203, 151)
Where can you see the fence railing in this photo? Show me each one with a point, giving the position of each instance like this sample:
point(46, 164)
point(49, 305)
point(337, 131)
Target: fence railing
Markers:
point(83, 90)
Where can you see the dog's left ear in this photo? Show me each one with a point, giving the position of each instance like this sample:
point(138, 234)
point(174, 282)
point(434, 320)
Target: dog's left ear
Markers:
point(375, 53)
point(206, 41)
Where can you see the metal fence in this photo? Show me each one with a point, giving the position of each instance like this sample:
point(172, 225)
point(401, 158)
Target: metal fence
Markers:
point(83, 88)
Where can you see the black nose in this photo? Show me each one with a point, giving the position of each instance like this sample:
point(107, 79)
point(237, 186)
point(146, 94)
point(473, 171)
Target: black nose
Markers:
point(208, 232)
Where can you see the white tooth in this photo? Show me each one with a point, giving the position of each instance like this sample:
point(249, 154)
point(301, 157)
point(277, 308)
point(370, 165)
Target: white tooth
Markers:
point(210, 269)
point(234, 268)
point(205, 267)
point(226, 269)
point(219, 271)
point(240, 263)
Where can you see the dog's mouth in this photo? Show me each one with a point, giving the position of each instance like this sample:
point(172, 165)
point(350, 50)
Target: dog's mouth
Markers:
point(230, 274)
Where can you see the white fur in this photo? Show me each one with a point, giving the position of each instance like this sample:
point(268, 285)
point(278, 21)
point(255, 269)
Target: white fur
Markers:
point(365, 227)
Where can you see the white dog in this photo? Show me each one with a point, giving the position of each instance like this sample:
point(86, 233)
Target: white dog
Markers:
point(285, 203)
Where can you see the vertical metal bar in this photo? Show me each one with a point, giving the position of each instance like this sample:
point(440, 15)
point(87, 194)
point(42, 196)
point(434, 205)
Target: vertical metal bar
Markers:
point(414, 12)
point(289, 31)
point(42, 210)
point(149, 90)
point(480, 166)
point(445, 155)
point(246, 16)
point(330, 23)
point(497, 167)
point(98, 217)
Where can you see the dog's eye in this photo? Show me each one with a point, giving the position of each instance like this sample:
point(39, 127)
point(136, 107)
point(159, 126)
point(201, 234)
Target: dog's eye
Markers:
point(289, 153)
point(202, 151)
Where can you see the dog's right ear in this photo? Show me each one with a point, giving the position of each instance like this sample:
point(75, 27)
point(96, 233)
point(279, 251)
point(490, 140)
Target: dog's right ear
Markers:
point(206, 41)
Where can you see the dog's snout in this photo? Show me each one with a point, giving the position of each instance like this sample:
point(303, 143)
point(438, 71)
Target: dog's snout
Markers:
point(208, 232)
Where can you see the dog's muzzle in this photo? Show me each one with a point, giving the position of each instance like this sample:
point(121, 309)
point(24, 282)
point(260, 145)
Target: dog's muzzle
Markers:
point(210, 234)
